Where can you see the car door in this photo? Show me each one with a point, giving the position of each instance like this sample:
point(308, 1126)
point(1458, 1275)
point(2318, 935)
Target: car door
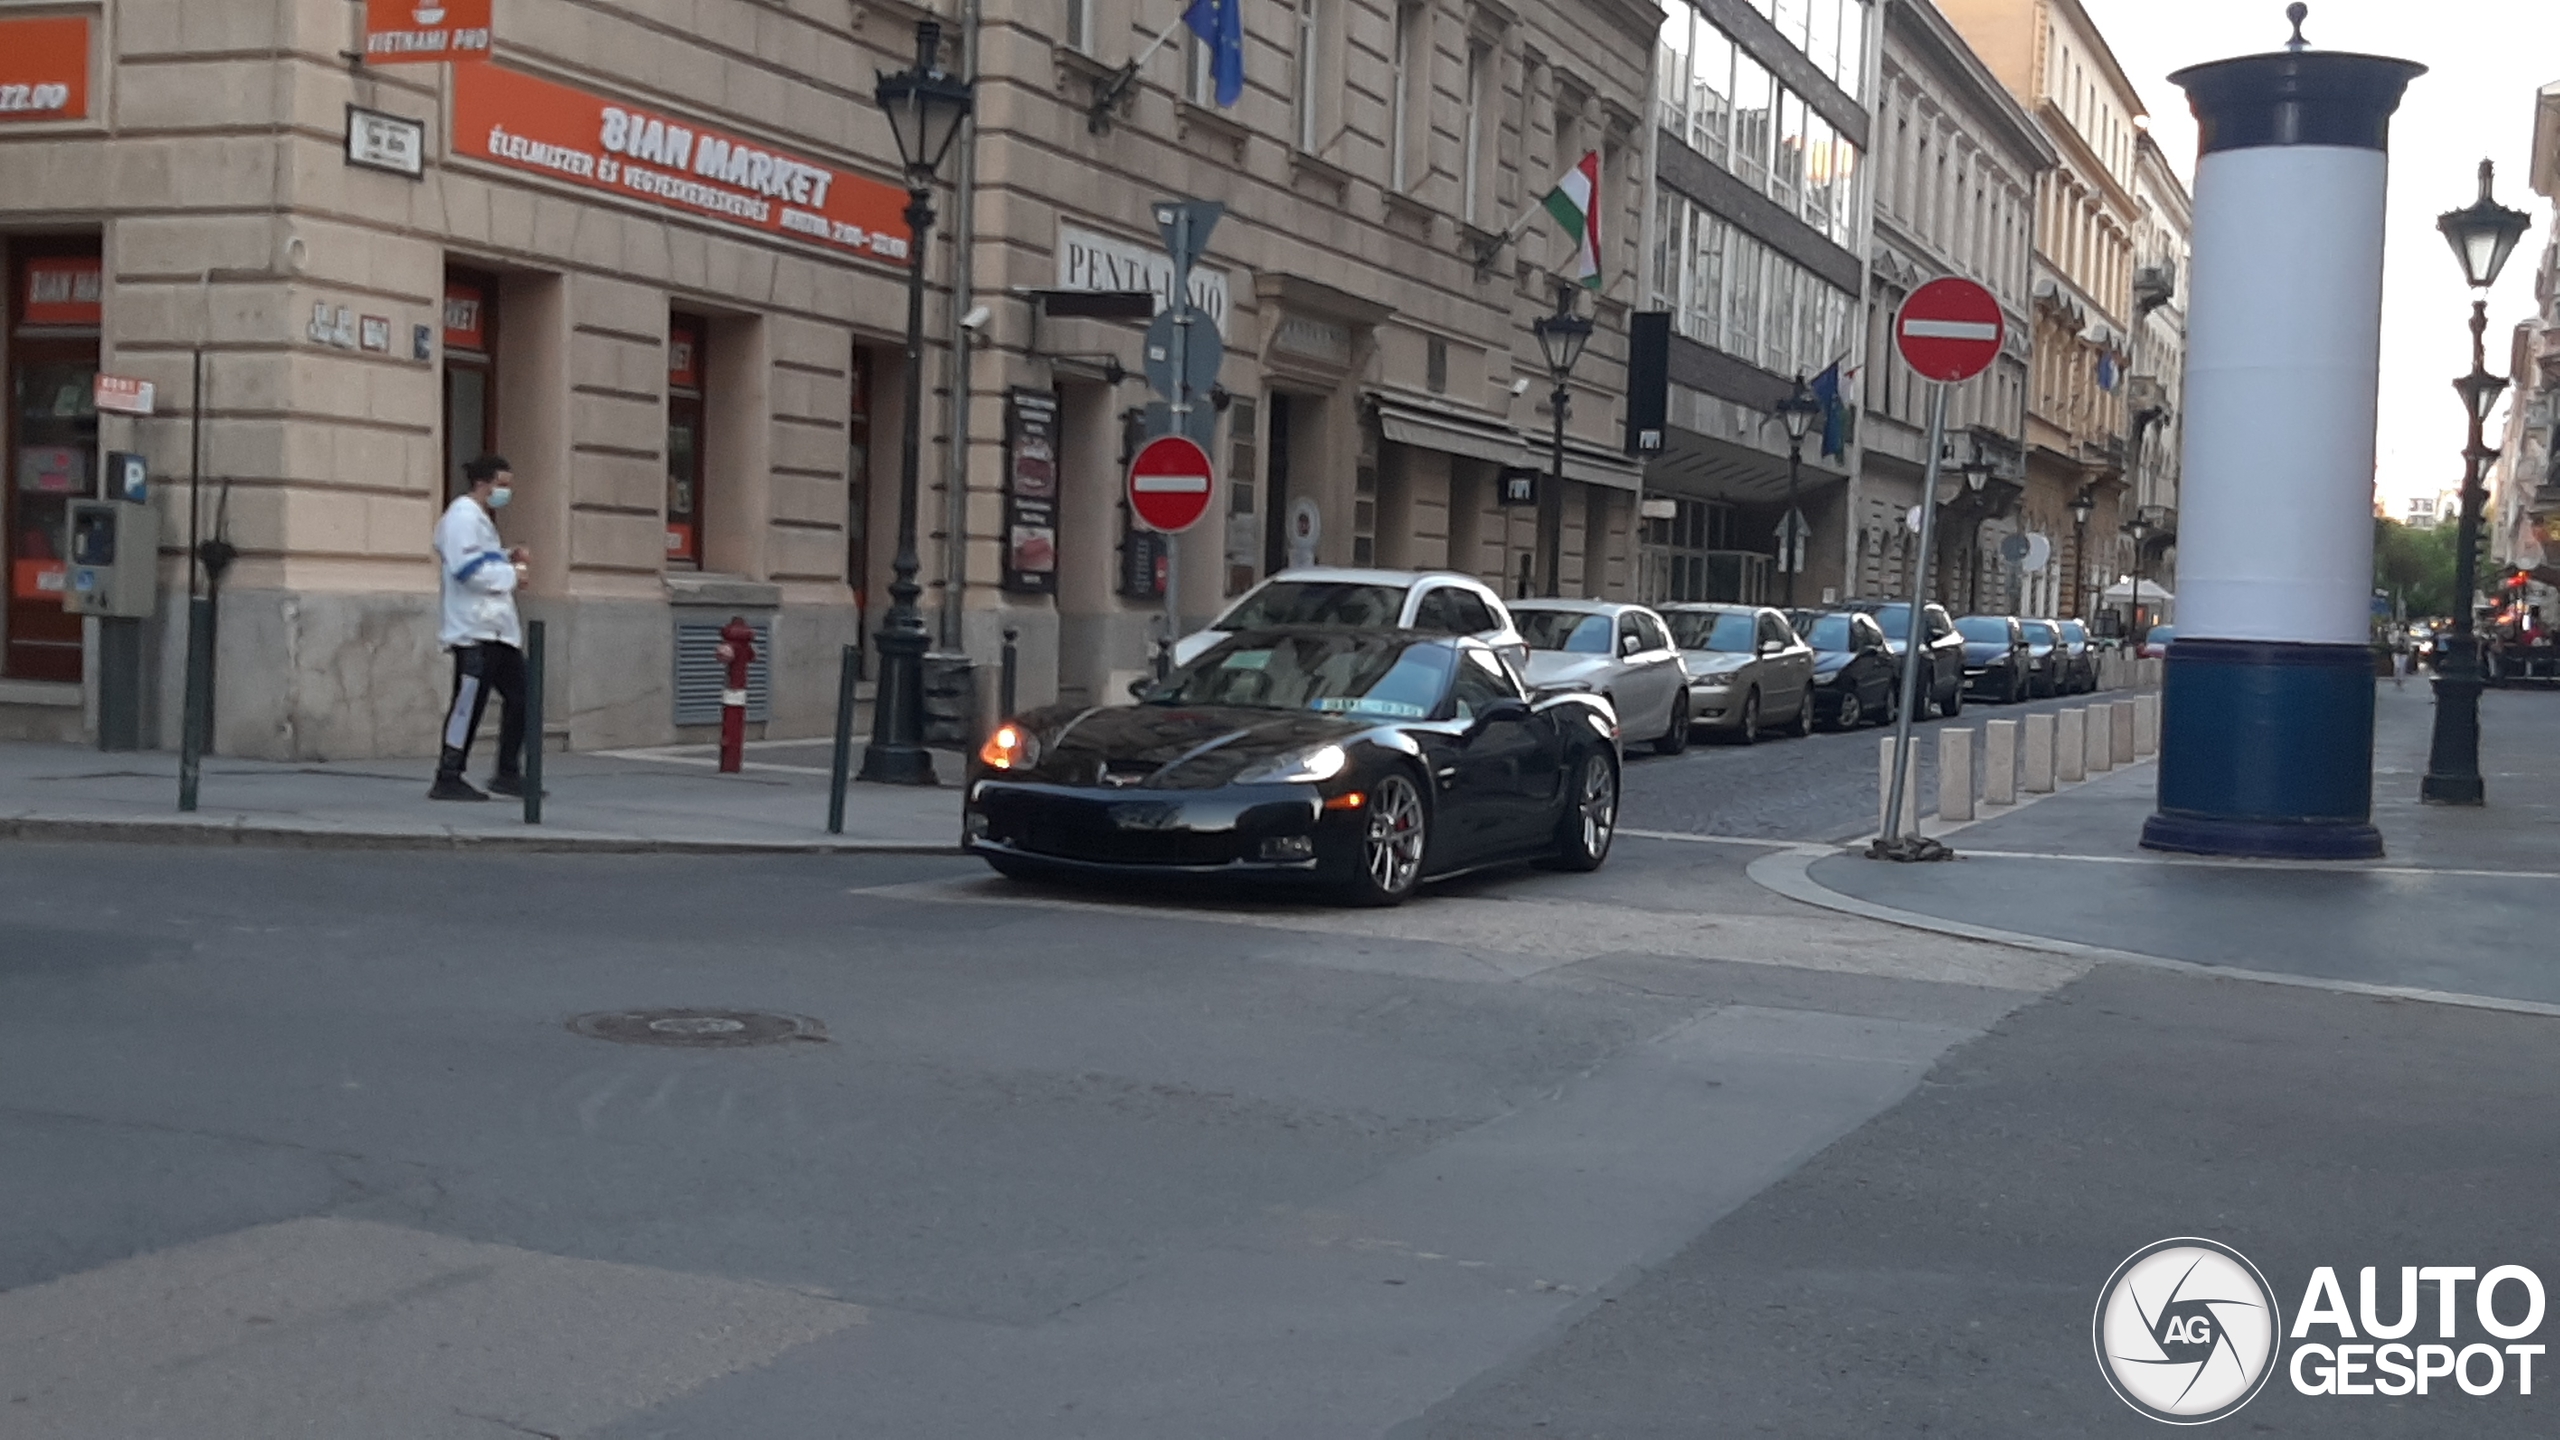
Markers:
point(1635, 683)
point(1946, 653)
point(1492, 787)
point(1665, 677)
point(1786, 665)
point(1870, 664)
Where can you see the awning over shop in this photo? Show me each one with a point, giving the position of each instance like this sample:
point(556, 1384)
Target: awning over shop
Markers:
point(2121, 593)
point(1456, 432)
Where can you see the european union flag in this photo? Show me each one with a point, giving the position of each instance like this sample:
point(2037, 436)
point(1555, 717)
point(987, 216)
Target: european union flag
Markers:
point(1835, 416)
point(1220, 26)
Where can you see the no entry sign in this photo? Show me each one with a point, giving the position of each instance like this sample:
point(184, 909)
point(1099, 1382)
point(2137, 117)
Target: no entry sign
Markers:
point(1949, 329)
point(1169, 483)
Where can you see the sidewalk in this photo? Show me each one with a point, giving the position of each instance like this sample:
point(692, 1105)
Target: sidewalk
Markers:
point(670, 799)
point(2461, 904)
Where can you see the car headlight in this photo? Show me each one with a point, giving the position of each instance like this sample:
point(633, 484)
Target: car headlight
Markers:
point(1010, 748)
point(1297, 767)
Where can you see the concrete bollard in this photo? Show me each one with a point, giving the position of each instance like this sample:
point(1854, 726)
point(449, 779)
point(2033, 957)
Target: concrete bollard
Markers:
point(2071, 744)
point(1910, 788)
point(2039, 754)
point(2120, 731)
point(2150, 678)
point(2146, 724)
point(1955, 774)
point(2098, 733)
point(2000, 762)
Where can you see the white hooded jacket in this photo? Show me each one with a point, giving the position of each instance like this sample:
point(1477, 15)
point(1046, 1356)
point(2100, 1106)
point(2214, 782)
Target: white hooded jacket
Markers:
point(479, 580)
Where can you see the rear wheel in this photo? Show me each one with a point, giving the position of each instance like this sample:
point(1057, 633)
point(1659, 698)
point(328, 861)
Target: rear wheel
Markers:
point(1675, 739)
point(1389, 862)
point(1748, 731)
point(1802, 725)
point(1590, 822)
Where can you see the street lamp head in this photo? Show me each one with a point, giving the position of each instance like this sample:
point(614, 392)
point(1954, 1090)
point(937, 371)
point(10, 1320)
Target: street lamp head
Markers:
point(2480, 392)
point(1798, 411)
point(2083, 505)
point(925, 106)
point(2483, 234)
point(1561, 336)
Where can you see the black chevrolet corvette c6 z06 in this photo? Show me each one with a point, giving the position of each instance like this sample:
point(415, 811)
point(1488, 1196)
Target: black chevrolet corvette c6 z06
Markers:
point(1366, 760)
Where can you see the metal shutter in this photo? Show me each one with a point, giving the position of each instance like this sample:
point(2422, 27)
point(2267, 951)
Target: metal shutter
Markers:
point(700, 676)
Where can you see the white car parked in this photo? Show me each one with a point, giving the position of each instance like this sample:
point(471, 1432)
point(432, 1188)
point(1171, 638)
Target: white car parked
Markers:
point(1623, 653)
point(1434, 602)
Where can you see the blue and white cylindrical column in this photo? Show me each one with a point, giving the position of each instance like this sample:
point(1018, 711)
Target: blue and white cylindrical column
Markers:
point(2266, 744)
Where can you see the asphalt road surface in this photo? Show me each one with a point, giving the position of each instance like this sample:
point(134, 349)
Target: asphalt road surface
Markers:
point(303, 1142)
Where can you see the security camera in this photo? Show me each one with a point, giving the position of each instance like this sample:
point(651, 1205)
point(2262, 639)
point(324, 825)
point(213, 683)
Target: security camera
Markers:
point(1519, 387)
point(976, 319)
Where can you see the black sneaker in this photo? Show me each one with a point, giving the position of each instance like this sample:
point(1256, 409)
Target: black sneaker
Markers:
point(510, 785)
point(453, 787)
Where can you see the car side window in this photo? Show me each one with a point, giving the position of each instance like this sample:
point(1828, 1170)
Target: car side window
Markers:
point(1868, 634)
point(1940, 627)
point(1773, 631)
point(1655, 637)
point(1467, 612)
point(1435, 615)
point(1481, 680)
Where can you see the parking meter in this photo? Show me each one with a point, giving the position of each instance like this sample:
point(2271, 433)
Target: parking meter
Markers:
point(114, 560)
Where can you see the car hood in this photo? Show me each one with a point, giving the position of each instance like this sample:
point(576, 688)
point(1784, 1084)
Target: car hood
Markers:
point(1983, 652)
point(1827, 663)
point(1178, 747)
point(1564, 667)
point(1706, 663)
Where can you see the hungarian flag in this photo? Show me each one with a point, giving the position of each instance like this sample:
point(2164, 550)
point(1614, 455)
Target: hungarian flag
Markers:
point(1575, 202)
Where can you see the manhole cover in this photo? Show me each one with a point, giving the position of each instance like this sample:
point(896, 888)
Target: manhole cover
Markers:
point(697, 1029)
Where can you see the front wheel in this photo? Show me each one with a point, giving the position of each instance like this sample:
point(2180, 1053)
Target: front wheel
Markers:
point(1389, 860)
point(1748, 732)
point(1952, 706)
point(1587, 826)
point(1675, 739)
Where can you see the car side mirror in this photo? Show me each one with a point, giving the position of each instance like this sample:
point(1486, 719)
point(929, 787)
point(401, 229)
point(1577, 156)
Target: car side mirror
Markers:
point(1630, 644)
point(1772, 647)
point(1139, 687)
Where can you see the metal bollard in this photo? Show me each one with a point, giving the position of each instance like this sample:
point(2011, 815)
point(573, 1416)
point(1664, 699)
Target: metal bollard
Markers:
point(2146, 724)
point(2000, 762)
point(2071, 745)
point(737, 650)
point(2120, 733)
point(1008, 675)
point(1910, 790)
point(534, 666)
point(1955, 774)
point(2039, 754)
point(2098, 734)
point(840, 762)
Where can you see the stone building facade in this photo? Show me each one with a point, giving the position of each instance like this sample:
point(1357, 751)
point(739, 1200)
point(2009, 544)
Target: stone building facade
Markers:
point(2052, 58)
point(1956, 167)
point(653, 253)
point(2155, 395)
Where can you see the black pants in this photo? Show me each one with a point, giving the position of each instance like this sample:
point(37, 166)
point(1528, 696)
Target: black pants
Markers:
point(477, 670)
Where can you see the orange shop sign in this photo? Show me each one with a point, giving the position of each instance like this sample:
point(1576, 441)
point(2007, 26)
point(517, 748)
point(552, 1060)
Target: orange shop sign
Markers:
point(44, 68)
point(526, 123)
point(397, 31)
point(62, 290)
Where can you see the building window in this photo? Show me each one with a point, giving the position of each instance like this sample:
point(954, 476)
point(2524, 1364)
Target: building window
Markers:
point(470, 373)
point(1199, 70)
point(1754, 105)
point(686, 365)
point(1410, 95)
point(1080, 25)
point(1471, 199)
point(56, 294)
point(1310, 75)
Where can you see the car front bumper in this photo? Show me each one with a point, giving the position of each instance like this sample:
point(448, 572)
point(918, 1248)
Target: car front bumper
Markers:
point(1277, 830)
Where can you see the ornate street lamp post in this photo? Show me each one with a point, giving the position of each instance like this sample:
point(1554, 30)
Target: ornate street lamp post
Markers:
point(2140, 529)
point(1561, 337)
point(1797, 412)
point(925, 106)
point(2083, 505)
point(2482, 235)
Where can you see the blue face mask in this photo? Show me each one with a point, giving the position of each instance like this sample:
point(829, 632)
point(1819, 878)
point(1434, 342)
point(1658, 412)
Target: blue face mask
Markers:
point(499, 497)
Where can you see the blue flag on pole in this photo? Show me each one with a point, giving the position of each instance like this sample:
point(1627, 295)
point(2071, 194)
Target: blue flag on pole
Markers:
point(1220, 26)
point(1835, 416)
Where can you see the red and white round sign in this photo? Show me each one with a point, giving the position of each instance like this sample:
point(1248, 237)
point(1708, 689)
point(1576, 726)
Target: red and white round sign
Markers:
point(1170, 483)
point(1949, 329)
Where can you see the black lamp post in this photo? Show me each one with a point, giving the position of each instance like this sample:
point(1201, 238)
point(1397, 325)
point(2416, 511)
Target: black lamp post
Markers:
point(2083, 505)
point(2482, 235)
point(1797, 412)
point(925, 107)
point(1561, 337)
point(2140, 529)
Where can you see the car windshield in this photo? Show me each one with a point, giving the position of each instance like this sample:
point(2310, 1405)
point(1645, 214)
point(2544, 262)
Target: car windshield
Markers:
point(2074, 631)
point(1318, 602)
point(1896, 620)
point(1568, 630)
point(1828, 632)
point(1709, 630)
point(1984, 629)
point(1338, 674)
point(2039, 632)
point(2163, 634)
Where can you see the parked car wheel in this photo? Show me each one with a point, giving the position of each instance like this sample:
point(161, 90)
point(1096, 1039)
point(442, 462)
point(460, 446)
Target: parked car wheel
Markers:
point(1748, 732)
point(1675, 739)
point(1584, 831)
point(1950, 706)
point(1802, 725)
point(1390, 856)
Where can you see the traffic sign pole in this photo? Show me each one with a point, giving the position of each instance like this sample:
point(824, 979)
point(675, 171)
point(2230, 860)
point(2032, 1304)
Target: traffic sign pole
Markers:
point(1171, 485)
point(1916, 632)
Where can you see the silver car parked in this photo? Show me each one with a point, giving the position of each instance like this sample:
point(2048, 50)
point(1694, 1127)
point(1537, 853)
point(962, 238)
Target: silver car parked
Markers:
point(1746, 665)
point(1621, 652)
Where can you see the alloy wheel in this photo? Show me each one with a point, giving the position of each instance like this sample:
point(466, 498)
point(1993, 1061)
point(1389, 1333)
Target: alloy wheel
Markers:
point(1393, 846)
point(1599, 806)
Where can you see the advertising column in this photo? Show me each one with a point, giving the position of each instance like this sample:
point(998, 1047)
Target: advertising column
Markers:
point(2266, 744)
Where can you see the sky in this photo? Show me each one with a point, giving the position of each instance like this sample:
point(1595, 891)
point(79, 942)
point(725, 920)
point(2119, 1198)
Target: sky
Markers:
point(2485, 60)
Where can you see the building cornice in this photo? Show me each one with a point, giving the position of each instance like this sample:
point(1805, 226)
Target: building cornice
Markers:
point(1919, 23)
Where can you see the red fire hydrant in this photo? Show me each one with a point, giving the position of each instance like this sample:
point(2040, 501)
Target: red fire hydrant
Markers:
point(737, 651)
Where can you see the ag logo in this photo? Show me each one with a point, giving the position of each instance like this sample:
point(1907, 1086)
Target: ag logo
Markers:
point(2186, 1331)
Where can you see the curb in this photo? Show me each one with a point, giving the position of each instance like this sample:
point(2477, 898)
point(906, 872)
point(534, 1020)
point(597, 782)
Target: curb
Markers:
point(272, 837)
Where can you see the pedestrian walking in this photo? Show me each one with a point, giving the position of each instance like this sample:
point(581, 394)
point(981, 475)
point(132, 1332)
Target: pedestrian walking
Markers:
point(2400, 663)
point(482, 630)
